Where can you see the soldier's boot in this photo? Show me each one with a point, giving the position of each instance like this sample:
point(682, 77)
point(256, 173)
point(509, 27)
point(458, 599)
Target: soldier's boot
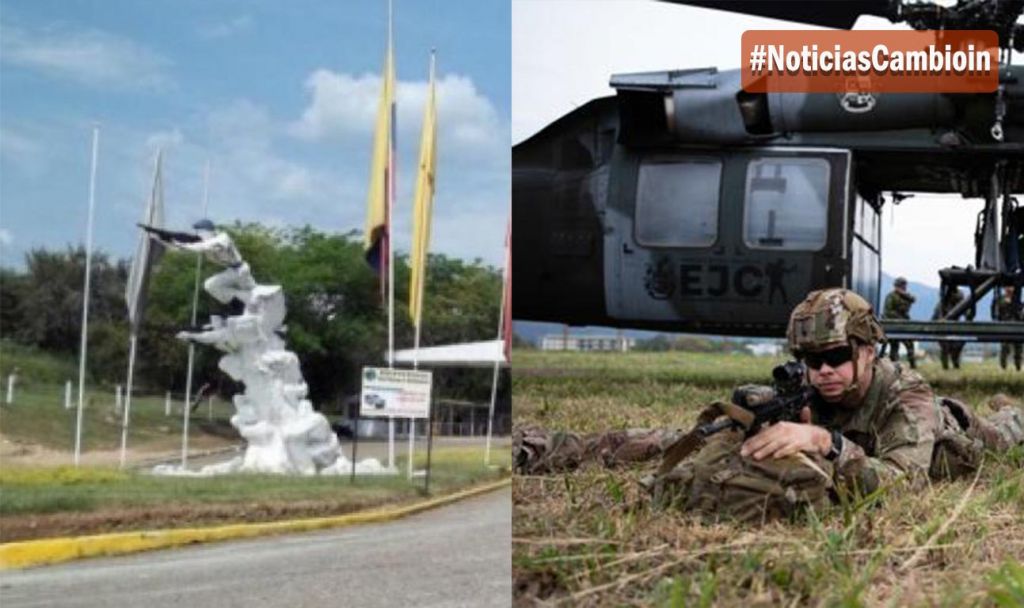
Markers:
point(999, 431)
point(538, 451)
point(1005, 428)
point(617, 448)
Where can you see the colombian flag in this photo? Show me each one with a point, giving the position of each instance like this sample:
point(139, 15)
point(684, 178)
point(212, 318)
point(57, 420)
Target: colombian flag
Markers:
point(382, 179)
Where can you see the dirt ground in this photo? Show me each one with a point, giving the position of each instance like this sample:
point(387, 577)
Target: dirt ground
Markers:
point(53, 525)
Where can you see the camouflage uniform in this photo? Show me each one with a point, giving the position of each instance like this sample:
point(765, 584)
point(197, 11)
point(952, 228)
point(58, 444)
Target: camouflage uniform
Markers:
point(897, 306)
point(899, 430)
point(1005, 311)
point(949, 351)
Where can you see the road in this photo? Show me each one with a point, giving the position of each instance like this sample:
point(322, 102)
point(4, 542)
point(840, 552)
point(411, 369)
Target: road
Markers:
point(459, 555)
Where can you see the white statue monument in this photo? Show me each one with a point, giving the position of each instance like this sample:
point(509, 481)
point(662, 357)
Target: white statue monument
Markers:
point(283, 433)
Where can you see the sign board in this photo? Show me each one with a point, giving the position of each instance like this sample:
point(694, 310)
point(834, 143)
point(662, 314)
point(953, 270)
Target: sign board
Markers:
point(398, 393)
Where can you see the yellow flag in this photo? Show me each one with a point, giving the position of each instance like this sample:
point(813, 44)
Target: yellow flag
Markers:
point(382, 178)
point(423, 204)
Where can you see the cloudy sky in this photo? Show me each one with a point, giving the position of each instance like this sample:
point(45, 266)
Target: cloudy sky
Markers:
point(564, 52)
point(280, 97)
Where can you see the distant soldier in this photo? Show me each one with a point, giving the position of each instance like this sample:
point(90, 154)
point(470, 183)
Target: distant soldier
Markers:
point(950, 351)
point(897, 306)
point(1006, 310)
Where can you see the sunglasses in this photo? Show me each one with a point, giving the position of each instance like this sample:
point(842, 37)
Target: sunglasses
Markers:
point(834, 357)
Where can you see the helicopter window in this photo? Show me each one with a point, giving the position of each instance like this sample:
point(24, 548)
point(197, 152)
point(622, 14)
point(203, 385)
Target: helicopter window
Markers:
point(866, 223)
point(677, 203)
point(865, 250)
point(787, 203)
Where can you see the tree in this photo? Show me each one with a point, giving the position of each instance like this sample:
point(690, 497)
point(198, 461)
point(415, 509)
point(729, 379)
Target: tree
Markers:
point(336, 323)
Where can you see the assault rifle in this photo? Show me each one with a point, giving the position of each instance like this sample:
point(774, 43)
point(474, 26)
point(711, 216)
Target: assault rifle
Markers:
point(170, 236)
point(751, 408)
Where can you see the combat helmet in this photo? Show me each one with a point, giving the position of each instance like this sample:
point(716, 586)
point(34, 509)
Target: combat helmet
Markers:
point(829, 318)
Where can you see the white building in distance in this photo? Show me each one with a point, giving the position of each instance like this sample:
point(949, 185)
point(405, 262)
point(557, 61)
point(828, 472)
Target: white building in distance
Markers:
point(598, 343)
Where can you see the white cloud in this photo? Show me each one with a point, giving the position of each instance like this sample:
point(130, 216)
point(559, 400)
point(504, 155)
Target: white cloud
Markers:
point(237, 25)
point(343, 105)
point(165, 139)
point(5, 237)
point(23, 150)
point(244, 134)
point(91, 57)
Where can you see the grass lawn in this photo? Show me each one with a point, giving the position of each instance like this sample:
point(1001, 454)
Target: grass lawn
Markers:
point(590, 538)
point(38, 417)
point(43, 502)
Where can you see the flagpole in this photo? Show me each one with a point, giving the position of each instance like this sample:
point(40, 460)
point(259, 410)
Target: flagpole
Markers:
point(128, 395)
point(420, 259)
point(494, 380)
point(83, 351)
point(187, 405)
point(134, 313)
point(391, 206)
point(391, 241)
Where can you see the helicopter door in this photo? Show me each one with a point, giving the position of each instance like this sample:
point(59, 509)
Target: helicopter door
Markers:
point(739, 238)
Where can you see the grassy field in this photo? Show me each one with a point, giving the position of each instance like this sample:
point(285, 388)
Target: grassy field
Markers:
point(37, 416)
point(589, 538)
point(56, 501)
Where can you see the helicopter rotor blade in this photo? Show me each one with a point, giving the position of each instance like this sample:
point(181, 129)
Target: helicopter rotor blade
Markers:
point(840, 15)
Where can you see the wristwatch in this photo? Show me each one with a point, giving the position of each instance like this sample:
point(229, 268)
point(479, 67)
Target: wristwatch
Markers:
point(837, 446)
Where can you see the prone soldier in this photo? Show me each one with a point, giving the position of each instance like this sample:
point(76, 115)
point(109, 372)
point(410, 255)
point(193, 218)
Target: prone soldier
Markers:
point(869, 422)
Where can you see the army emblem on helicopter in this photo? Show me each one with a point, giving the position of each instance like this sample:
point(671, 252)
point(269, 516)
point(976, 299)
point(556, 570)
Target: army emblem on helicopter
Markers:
point(858, 99)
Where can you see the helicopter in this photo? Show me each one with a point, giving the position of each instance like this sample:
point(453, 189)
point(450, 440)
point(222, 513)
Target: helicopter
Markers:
point(684, 203)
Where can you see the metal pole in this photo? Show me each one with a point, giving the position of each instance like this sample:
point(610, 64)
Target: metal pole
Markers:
point(412, 421)
point(118, 403)
point(391, 240)
point(10, 388)
point(83, 349)
point(67, 395)
point(187, 411)
point(191, 345)
point(167, 404)
point(391, 442)
point(430, 444)
point(355, 446)
point(128, 397)
point(412, 439)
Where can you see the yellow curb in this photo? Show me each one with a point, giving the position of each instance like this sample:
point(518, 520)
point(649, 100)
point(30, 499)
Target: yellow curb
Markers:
point(55, 550)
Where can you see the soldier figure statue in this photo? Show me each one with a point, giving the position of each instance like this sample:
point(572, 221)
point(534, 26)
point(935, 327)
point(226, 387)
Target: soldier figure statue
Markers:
point(897, 306)
point(1007, 310)
point(869, 423)
point(949, 350)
